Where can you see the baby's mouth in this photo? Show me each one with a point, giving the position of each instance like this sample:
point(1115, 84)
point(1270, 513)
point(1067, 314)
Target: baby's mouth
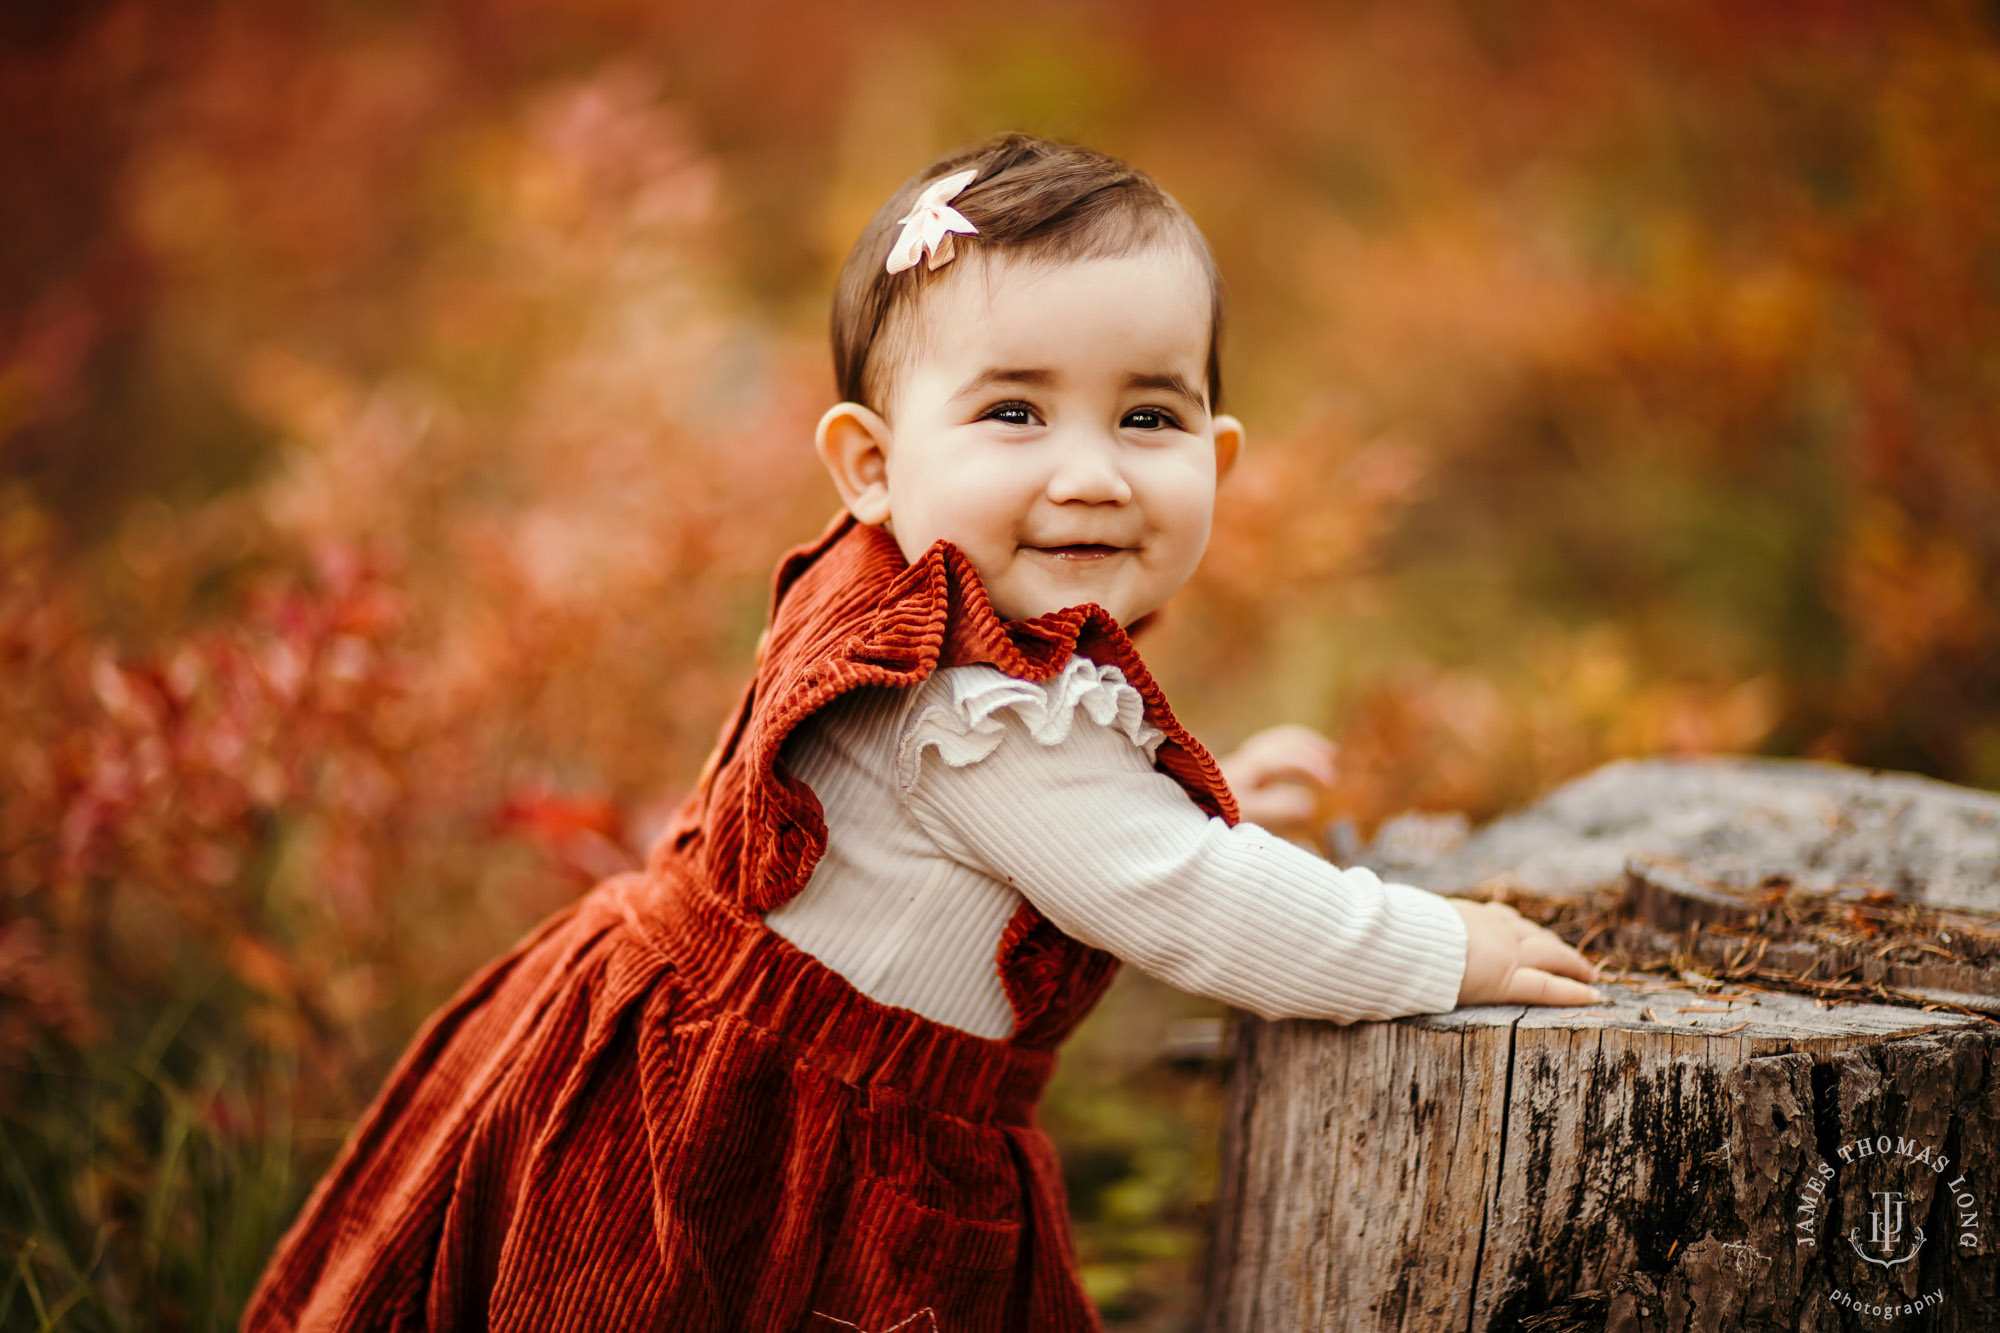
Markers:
point(1079, 551)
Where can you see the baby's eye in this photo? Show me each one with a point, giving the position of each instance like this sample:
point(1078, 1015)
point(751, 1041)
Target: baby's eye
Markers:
point(1166, 419)
point(1003, 411)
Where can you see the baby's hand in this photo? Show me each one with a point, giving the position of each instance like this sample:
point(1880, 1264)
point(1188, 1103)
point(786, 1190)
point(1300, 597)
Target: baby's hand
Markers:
point(1511, 960)
point(1280, 776)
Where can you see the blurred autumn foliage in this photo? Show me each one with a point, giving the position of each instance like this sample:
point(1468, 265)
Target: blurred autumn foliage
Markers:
point(402, 406)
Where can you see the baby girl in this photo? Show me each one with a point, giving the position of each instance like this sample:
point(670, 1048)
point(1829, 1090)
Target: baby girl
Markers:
point(786, 1077)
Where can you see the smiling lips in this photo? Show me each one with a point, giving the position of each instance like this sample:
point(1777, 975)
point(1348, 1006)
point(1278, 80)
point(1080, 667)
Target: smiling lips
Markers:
point(1079, 551)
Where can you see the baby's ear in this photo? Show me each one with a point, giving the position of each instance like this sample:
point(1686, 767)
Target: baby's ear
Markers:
point(853, 442)
point(1228, 444)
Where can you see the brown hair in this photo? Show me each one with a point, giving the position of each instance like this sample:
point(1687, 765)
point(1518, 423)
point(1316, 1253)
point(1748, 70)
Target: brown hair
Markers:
point(1033, 198)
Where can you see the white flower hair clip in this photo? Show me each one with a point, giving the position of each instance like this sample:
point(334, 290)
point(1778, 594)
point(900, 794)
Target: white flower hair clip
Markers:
point(930, 222)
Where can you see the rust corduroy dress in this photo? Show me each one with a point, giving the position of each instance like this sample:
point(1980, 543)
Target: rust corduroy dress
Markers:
point(658, 1113)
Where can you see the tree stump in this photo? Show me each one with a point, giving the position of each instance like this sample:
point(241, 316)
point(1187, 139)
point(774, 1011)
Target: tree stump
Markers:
point(1787, 1116)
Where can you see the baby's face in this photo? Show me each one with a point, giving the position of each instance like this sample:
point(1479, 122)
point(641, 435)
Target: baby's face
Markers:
point(1055, 428)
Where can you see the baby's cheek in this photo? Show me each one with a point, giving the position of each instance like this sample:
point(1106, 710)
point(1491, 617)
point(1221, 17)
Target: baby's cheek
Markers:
point(1187, 538)
point(1183, 494)
point(990, 512)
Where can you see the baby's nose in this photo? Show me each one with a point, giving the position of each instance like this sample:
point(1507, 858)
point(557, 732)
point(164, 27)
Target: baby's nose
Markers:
point(1088, 475)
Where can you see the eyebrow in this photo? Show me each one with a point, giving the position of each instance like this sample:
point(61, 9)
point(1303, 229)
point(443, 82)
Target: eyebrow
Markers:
point(1038, 377)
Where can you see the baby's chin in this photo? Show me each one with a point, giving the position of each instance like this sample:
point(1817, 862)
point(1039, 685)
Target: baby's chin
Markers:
point(1019, 604)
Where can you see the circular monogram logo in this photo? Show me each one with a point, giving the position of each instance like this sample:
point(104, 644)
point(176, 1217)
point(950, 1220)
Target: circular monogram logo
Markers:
point(1904, 1184)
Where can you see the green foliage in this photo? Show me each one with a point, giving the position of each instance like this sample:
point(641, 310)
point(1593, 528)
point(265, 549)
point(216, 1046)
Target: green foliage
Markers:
point(143, 1183)
point(1139, 1142)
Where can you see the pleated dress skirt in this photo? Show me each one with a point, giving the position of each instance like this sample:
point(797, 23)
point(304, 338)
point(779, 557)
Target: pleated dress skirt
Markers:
point(657, 1113)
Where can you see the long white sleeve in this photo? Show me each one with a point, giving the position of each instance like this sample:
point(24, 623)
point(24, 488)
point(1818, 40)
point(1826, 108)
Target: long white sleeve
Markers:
point(1062, 803)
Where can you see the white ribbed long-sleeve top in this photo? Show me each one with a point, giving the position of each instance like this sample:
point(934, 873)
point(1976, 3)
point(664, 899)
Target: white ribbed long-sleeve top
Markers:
point(947, 802)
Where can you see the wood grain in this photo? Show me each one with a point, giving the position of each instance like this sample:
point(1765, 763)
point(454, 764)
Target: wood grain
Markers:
point(1634, 1166)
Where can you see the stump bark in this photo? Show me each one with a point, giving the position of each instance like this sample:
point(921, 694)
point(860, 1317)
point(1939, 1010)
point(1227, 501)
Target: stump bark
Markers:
point(1685, 1156)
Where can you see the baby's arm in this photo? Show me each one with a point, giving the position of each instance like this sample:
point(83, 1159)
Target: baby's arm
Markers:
point(1281, 775)
point(1115, 854)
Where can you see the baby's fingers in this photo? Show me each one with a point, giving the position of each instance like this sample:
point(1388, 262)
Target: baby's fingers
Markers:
point(1531, 985)
point(1543, 948)
point(1282, 754)
point(1278, 807)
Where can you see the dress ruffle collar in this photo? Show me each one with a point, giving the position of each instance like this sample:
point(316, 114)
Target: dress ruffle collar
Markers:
point(848, 610)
